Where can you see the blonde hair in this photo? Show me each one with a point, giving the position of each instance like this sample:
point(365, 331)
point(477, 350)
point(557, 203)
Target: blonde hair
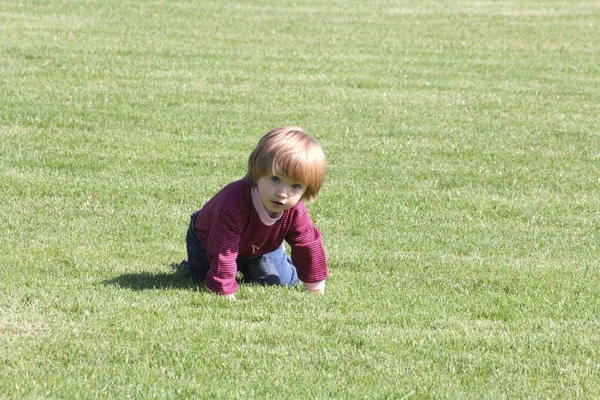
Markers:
point(289, 151)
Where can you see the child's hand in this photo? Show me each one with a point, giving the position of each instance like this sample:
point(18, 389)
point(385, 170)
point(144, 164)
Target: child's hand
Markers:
point(315, 287)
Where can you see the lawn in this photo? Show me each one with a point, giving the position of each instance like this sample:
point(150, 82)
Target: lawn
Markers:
point(460, 214)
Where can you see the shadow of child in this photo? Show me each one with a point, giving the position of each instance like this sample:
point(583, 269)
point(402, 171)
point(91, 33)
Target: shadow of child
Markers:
point(178, 279)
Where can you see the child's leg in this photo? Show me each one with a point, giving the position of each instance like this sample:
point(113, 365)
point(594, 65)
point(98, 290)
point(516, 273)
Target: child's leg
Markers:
point(273, 268)
point(197, 262)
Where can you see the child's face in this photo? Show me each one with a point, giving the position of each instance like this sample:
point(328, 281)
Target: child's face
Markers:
point(278, 193)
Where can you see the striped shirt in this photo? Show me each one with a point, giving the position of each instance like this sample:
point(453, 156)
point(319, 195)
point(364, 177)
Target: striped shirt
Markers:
point(230, 228)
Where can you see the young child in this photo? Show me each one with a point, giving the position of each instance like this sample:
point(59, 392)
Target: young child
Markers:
point(242, 228)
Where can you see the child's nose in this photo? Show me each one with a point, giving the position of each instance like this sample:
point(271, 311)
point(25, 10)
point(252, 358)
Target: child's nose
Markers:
point(282, 191)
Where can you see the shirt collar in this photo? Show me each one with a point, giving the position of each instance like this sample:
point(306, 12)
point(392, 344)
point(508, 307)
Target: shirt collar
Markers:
point(260, 209)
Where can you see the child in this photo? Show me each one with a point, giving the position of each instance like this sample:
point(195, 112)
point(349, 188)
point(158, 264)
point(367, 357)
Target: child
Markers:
point(242, 228)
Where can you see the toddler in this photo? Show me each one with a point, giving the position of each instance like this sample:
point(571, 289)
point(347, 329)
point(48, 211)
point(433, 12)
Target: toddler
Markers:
point(242, 228)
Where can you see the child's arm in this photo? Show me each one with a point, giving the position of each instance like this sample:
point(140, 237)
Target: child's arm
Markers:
point(222, 249)
point(308, 254)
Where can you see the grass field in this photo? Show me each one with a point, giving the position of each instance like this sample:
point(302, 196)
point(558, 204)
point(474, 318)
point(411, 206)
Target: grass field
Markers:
point(461, 211)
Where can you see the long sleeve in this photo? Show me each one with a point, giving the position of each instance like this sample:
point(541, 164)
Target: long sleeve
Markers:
point(308, 254)
point(222, 248)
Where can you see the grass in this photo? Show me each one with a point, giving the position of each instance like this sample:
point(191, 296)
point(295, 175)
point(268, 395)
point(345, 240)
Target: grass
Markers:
point(460, 212)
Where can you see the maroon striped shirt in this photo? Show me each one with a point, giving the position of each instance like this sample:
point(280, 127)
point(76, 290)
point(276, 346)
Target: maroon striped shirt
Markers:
point(229, 228)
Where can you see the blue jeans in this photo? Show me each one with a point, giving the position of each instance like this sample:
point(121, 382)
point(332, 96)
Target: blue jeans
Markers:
point(273, 268)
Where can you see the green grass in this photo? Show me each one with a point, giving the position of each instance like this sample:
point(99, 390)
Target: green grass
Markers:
point(460, 213)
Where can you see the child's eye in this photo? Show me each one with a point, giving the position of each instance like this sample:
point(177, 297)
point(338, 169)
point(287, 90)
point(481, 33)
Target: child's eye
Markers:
point(297, 186)
point(275, 179)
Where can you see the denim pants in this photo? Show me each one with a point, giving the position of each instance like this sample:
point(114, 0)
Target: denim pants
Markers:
point(273, 268)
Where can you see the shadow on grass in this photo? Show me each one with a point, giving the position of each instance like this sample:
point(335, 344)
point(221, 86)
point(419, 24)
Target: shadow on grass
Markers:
point(178, 279)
